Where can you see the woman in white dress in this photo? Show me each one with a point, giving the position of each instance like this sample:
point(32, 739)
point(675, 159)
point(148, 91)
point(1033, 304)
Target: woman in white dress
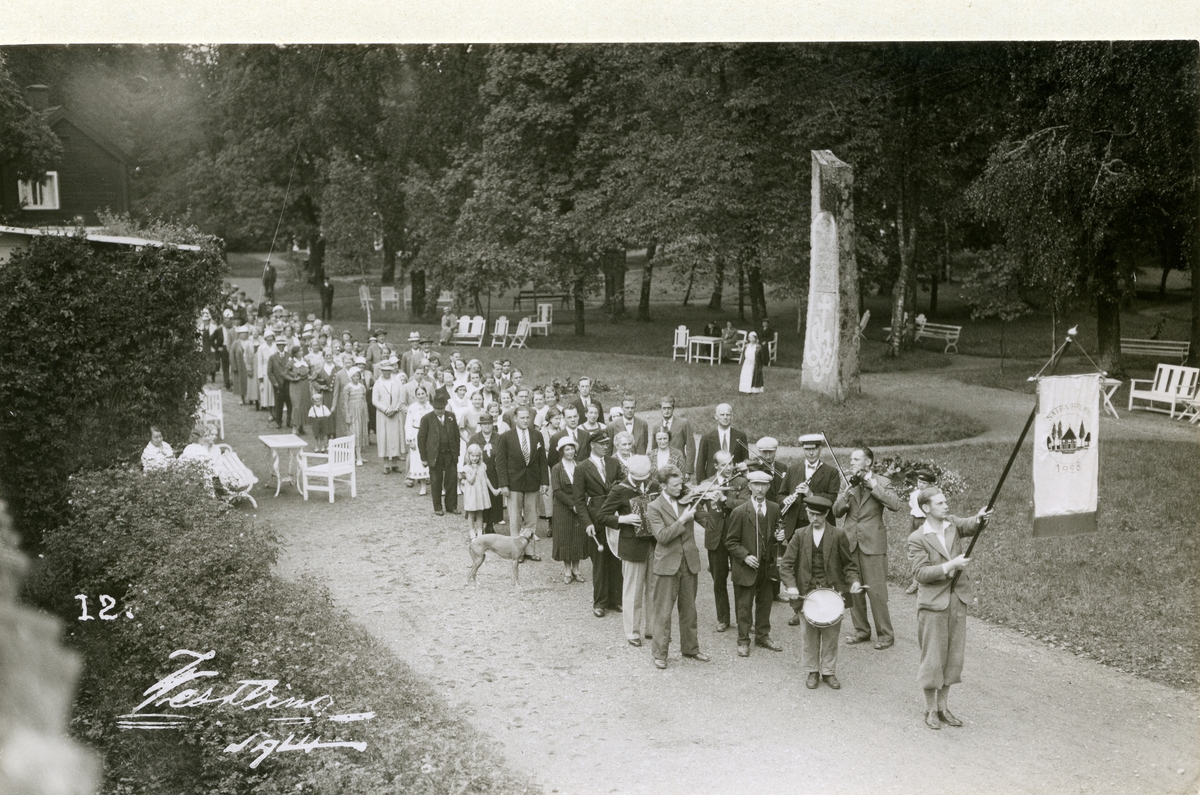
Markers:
point(266, 392)
point(416, 470)
point(751, 381)
point(389, 417)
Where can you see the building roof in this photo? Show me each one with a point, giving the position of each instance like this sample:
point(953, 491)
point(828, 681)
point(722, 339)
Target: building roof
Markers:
point(94, 237)
point(59, 113)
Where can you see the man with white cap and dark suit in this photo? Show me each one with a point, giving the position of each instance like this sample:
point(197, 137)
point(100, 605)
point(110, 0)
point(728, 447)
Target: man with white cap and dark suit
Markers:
point(750, 538)
point(810, 478)
point(598, 473)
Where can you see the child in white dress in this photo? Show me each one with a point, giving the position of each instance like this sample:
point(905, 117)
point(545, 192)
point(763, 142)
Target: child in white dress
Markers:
point(477, 490)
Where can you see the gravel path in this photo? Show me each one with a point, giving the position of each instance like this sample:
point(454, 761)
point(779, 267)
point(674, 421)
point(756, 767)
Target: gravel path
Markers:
point(573, 705)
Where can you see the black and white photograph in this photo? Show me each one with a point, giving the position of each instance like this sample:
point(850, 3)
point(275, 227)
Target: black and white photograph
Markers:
point(838, 429)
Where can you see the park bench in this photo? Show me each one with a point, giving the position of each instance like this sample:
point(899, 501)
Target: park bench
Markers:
point(1157, 348)
point(500, 331)
point(545, 319)
point(517, 338)
point(337, 463)
point(934, 331)
point(212, 410)
point(1172, 384)
point(538, 295)
point(236, 477)
point(470, 331)
point(445, 298)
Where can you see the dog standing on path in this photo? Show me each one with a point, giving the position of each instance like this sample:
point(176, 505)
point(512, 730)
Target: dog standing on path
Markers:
point(508, 547)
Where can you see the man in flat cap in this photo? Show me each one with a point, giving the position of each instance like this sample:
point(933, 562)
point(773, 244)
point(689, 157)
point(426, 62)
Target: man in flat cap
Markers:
point(750, 539)
point(818, 556)
point(437, 444)
point(812, 478)
point(767, 447)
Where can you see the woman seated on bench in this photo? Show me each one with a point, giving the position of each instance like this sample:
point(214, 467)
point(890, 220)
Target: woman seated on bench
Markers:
point(158, 454)
point(200, 449)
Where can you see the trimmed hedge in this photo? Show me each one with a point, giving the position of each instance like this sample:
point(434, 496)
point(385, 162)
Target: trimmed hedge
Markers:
point(197, 575)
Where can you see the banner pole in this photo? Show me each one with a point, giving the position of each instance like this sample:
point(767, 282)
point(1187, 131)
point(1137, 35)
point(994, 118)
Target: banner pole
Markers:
point(1052, 365)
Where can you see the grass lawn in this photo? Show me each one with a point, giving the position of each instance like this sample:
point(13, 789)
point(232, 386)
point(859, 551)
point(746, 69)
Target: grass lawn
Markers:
point(1127, 596)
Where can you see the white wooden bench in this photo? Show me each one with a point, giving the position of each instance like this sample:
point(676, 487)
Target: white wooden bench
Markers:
point(1173, 384)
point(470, 331)
point(236, 477)
point(934, 331)
point(1157, 348)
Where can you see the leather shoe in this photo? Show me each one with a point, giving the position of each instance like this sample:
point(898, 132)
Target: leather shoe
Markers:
point(946, 717)
point(767, 643)
point(440, 513)
point(743, 651)
point(832, 681)
point(931, 719)
point(722, 626)
point(885, 644)
point(813, 679)
point(698, 657)
point(598, 612)
point(635, 641)
point(660, 664)
point(852, 639)
point(648, 636)
point(794, 621)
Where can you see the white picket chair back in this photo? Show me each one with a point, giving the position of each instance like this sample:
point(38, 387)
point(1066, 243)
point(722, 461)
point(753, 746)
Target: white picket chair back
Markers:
point(337, 464)
point(500, 331)
point(388, 295)
point(679, 348)
point(364, 296)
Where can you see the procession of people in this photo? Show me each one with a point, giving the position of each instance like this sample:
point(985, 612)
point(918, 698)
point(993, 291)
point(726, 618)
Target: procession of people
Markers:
point(625, 493)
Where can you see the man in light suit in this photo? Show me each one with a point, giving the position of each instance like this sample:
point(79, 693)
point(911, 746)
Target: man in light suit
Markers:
point(863, 505)
point(935, 551)
point(411, 357)
point(750, 539)
point(635, 545)
point(675, 568)
point(726, 438)
point(585, 399)
point(523, 474)
point(636, 427)
point(680, 432)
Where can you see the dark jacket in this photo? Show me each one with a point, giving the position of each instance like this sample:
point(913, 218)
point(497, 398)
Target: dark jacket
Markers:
point(512, 471)
point(840, 568)
point(741, 541)
point(591, 491)
point(825, 483)
point(431, 440)
point(631, 547)
point(709, 445)
point(716, 521)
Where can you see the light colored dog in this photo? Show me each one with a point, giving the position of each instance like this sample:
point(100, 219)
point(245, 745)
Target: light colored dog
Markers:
point(507, 547)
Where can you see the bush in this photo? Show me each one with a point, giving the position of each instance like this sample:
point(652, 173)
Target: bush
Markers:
point(99, 343)
point(197, 575)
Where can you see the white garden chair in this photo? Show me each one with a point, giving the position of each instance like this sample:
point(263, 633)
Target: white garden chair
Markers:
point(679, 348)
point(388, 295)
point(517, 338)
point(337, 463)
point(500, 331)
point(545, 319)
point(212, 409)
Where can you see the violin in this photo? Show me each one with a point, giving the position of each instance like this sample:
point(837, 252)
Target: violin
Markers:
point(704, 490)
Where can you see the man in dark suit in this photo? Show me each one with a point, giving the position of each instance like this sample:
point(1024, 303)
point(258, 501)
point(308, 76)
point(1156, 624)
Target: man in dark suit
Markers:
point(621, 514)
point(714, 522)
point(812, 478)
point(725, 437)
point(585, 399)
point(862, 505)
point(634, 426)
point(326, 299)
point(570, 428)
point(523, 474)
point(819, 557)
point(936, 552)
point(680, 432)
point(276, 369)
point(750, 539)
point(227, 338)
point(487, 439)
point(437, 444)
point(767, 447)
point(675, 568)
point(598, 473)
point(268, 282)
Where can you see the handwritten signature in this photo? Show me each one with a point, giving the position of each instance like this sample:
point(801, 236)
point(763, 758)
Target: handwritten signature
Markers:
point(250, 694)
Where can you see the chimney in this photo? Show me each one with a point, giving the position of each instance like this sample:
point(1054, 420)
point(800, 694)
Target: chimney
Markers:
point(38, 97)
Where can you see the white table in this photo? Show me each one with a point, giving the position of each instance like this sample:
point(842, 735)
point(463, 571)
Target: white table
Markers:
point(1108, 388)
point(290, 445)
point(713, 344)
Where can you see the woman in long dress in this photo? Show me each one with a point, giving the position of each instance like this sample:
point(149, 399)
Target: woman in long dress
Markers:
point(250, 355)
point(389, 415)
point(751, 381)
point(416, 470)
point(266, 392)
point(299, 388)
point(355, 397)
point(567, 524)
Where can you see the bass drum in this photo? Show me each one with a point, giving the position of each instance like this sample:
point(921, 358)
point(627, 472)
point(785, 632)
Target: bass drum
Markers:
point(823, 607)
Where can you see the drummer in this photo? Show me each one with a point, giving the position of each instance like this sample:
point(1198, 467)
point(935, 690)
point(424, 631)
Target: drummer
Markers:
point(818, 557)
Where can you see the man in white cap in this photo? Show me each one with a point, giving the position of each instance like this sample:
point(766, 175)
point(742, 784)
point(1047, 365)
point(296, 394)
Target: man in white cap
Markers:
point(812, 478)
point(750, 539)
point(624, 511)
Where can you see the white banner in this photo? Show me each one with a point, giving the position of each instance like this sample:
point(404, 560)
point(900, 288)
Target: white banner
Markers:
point(1066, 455)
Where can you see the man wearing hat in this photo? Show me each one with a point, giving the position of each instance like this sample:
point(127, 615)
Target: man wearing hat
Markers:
point(277, 375)
point(818, 556)
point(675, 568)
point(750, 539)
point(623, 511)
point(936, 552)
point(598, 473)
point(409, 359)
point(437, 444)
point(374, 350)
point(813, 478)
point(735, 491)
point(767, 447)
point(925, 479)
point(522, 473)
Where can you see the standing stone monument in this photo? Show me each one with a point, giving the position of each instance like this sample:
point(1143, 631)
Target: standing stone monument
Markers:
point(831, 338)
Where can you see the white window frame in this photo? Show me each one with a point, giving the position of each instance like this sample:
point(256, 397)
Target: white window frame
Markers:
point(42, 195)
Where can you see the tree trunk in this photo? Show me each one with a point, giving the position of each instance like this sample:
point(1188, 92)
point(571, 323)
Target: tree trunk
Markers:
point(647, 271)
point(389, 260)
point(615, 284)
point(1108, 314)
point(1194, 252)
point(687, 294)
point(718, 285)
point(758, 300)
point(579, 291)
point(741, 293)
point(906, 238)
point(418, 293)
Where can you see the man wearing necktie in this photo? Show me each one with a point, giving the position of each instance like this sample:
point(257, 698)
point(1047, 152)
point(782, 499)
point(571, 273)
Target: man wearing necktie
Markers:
point(598, 474)
point(724, 437)
point(750, 539)
point(810, 478)
point(522, 472)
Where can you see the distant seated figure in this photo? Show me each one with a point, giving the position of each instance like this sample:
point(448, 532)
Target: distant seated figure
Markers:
point(158, 454)
point(729, 340)
point(200, 449)
point(712, 329)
